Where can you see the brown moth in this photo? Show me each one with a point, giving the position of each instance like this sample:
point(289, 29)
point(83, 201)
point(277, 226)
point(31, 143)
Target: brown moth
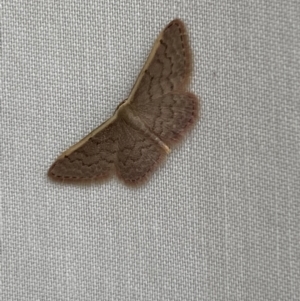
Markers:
point(156, 115)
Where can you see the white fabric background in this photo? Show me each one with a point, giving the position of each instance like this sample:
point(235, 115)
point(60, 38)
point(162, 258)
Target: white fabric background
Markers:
point(218, 221)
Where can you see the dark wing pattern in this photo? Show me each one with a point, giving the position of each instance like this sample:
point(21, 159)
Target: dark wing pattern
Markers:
point(94, 159)
point(138, 155)
point(161, 99)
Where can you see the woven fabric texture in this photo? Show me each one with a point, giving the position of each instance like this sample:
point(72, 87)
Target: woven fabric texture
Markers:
point(219, 220)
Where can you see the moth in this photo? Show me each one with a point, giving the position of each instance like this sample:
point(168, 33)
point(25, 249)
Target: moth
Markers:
point(157, 114)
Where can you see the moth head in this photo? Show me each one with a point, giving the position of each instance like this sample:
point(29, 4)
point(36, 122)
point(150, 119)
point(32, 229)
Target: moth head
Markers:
point(120, 104)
